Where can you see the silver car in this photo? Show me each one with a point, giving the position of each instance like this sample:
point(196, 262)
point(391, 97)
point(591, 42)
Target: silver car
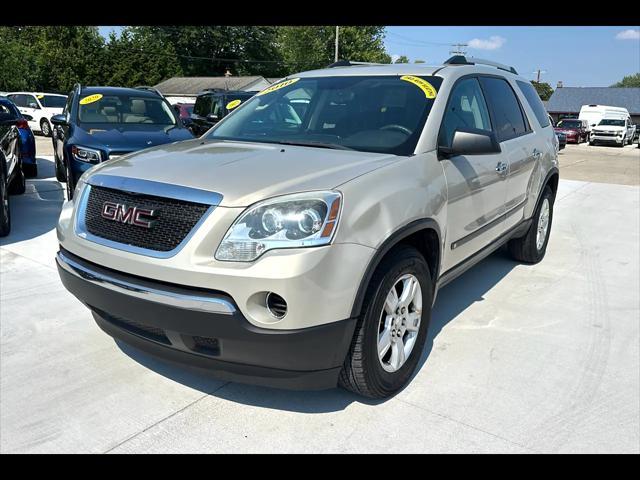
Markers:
point(301, 241)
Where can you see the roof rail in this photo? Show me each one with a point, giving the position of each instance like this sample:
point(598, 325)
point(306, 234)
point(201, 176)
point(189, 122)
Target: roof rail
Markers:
point(349, 63)
point(462, 60)
point(150, 89)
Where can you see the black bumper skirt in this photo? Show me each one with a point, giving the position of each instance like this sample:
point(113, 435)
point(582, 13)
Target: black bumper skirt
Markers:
point(224, 343)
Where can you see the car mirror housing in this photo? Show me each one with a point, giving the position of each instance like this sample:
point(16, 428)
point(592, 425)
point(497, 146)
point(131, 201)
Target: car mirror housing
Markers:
point(28, 118)
point(471, 142)
point(212, 117)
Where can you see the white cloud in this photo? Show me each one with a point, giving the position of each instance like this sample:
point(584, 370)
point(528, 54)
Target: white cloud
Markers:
point(492, 43)
point(394, 57)
point(628, 35)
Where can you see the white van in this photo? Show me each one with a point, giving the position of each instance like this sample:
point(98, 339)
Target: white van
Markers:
point(594, 113)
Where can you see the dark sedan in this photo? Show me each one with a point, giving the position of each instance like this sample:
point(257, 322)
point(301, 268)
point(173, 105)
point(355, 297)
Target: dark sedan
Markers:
point(101, 123)
point(12, 180)
point(26, 142)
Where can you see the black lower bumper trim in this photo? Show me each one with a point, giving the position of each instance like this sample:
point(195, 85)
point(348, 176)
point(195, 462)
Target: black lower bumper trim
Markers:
point(225, 343)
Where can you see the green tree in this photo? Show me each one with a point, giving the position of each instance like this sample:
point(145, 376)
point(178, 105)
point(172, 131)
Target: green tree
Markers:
point(402, 59)
point(136, 58)
point(418, 61)
point(544, 89)
point(54, 57)
point(629, 81)
point(311, 47)
point(198, 48)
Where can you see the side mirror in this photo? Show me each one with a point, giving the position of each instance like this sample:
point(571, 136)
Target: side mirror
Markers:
point(33, 105)
point(28, 118)
point(59, 119)
point(212, 117)
point(471, 142)
point(593, 124)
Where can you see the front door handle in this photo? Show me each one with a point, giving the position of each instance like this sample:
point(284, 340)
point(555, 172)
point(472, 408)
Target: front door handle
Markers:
point(536, 153)
point(501, 168)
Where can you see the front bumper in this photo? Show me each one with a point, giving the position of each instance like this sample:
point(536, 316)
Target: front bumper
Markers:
point(204, 329)
point(606, 138)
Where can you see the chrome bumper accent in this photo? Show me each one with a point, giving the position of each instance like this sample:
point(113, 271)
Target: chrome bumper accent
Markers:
point(194, 302)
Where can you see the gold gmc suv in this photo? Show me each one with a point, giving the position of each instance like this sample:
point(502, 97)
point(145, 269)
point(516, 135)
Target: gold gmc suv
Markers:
point(301, 241)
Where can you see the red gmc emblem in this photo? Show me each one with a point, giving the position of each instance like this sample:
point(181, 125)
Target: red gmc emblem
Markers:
point(131, 215)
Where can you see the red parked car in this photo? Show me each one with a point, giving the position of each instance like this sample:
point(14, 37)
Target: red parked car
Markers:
point(574, 129)
point(184, 111)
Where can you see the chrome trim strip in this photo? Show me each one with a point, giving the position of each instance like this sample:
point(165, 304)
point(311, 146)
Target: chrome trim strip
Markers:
point(81, 231)
point(197, 303)
point(157, 189)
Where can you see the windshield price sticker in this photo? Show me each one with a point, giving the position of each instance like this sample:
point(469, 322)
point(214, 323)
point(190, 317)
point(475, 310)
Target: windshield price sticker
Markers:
point(233, 104)
point(278, 86)
point(422, 84)
point(91, 98)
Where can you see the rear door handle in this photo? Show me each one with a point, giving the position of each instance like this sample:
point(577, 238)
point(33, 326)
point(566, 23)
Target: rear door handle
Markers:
point(501, 168)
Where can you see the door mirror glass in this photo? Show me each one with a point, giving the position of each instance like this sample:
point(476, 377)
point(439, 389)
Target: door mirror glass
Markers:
point(471, 142)
point(59, 119)
point(28, 118)
point(33, 105)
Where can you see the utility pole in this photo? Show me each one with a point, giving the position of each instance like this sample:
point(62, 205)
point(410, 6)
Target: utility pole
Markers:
point(458, 49)
point(337, 36)
point(539, 71)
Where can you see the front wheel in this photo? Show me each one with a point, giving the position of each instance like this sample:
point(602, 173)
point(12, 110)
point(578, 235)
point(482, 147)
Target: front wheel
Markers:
point(60, 170)
point(532, 247)
point(390, 334)
point(18, 184)
point(70, 183)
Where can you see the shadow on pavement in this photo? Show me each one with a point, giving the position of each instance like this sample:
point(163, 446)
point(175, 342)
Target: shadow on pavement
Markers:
point(452, 300)
point(36, 211)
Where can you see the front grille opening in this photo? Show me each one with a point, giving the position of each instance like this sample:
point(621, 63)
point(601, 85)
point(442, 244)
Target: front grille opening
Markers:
point(276, 305)
point(147, 331)
point(206, 345)
point(172, 222)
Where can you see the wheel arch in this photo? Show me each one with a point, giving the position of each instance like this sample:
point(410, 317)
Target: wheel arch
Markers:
point(423, 234)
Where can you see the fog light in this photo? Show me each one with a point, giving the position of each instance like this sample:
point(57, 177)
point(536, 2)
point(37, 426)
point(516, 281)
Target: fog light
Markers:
point(276, 305)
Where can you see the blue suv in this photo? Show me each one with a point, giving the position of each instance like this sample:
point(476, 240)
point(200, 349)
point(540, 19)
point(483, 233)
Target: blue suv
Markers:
point(102, 123)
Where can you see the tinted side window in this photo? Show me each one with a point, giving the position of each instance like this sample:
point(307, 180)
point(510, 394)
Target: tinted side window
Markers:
point(203, 105)
point(534, 102)
point(466, 110)
point(508, 117)
point(19, 100)
point(31, 101)
point(6, 113)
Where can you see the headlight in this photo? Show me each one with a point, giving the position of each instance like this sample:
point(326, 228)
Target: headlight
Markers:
point(299, 220)
point(84, 154)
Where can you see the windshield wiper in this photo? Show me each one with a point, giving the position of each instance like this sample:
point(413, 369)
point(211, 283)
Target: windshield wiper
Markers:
point(301, 143)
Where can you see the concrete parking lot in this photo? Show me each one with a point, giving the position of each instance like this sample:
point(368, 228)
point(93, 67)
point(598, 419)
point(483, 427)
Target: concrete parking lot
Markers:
point(519, 358)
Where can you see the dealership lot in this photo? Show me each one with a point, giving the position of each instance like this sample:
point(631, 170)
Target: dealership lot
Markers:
point(519, 358)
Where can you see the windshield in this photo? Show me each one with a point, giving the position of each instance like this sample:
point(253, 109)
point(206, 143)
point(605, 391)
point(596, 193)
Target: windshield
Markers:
point(569, 124)
point(129, 109)
point(612, 121)
point(382, 114)
point(52, 101)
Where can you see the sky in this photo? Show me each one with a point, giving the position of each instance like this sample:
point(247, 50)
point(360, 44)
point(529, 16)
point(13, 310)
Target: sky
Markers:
point(577, 56)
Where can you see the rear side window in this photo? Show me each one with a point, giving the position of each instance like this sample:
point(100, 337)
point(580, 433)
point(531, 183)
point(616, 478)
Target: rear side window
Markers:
point(534, 102)
point(509, 118)
point(19, 100)
point(6, 113)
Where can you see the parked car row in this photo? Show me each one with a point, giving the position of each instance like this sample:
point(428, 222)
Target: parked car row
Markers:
point(40, 107)
point(599, 124)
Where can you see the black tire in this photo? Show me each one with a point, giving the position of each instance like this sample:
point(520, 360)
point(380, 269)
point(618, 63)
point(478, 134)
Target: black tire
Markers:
point(30, 170)
point(45, 127)
point(5, 210)
point(525, 249)
point(70, 184)
point(362, 371)
point(18, 183)
point(61, 176)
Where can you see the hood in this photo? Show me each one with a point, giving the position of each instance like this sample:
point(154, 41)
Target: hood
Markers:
point(245, 173)
point(128, 138)
point(566, 130)
point(53, 111)
point(609, 128)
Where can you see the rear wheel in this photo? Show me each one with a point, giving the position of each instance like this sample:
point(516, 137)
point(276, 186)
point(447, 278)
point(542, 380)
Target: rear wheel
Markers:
point(532, 247)
point(390, 334)
point(5, 211)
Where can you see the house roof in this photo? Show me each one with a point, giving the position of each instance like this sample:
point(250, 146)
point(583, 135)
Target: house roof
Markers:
point(194, 85)
point(570, 99)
